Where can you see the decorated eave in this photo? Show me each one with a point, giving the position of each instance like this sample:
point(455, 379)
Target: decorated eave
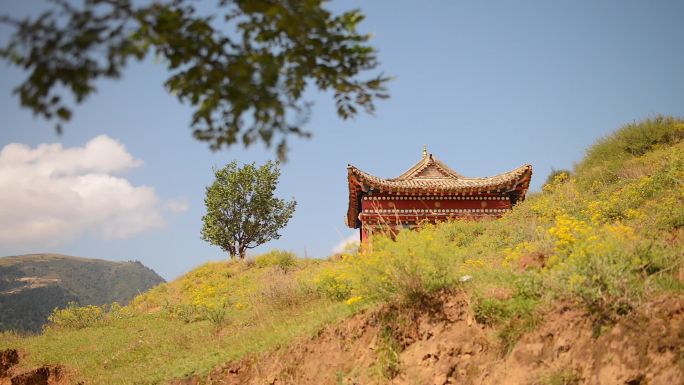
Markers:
point(431, 177)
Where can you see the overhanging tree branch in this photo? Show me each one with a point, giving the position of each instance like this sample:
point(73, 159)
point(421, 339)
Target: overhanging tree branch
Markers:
point(244, 73)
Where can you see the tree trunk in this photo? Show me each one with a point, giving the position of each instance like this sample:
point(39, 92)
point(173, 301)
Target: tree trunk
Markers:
point(243, 253)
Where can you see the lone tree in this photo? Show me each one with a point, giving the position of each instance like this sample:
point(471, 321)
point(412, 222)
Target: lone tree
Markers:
point(242, 212)
point(242, 65)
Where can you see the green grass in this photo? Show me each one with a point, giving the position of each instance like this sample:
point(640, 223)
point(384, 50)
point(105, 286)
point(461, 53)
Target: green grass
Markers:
point(509, 302)
point(153, 348)
point(388, 349)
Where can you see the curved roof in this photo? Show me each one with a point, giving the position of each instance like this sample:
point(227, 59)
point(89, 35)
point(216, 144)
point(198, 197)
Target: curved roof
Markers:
point(432, 177)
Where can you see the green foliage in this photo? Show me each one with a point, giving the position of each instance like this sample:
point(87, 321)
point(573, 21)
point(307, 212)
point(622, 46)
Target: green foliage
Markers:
point(28, 309)
point(416, 264)
point(185, 312)
point(222, 291)
point(514, 314)
point(332, 282)
point(242, 212)
point(216, 312)
point(604, 267)
point(387, 350)
point(217, 315)
point(243, 66)
point(492, 311)
point(637, 138)
point(79, 317)
point(557, 176)
point(513, 329)
point(285, 260)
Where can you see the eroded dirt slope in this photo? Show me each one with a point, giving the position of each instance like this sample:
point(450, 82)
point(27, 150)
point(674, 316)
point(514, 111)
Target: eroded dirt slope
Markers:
point(442, 344)
point(645, 348)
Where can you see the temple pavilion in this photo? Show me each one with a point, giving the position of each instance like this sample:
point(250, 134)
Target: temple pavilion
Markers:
point(429, 191)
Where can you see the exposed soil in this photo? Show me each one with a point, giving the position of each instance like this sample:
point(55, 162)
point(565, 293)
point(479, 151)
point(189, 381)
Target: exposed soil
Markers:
point(8, 358)
point(441, 344)
point(644, 348)
point(11, 374)
point(27, 283)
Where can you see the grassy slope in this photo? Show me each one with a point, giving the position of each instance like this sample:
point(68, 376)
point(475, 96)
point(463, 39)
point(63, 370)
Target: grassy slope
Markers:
point(607, 237)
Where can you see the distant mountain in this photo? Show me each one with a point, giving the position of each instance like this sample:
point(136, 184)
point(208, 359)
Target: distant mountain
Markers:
point(31, 286)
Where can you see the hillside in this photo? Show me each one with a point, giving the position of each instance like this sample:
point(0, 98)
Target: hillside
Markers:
point(32, 286)
point(447, 345)
point(583, 283)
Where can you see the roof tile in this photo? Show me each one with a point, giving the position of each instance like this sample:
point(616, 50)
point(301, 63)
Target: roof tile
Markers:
point(432, 177)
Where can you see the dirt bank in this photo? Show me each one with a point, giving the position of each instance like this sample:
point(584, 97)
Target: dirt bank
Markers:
point(440, 343)
point(11, 374)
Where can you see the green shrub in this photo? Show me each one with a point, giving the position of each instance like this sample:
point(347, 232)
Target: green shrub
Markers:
point(185, 312)
point(218, 314)
point(514, 317)
point(77, 317)
point(603, 267)
point(333, 283)
point(387, 350)
point(492, 311)
point(151, 299)
point(282, 290)
point(557, 176)
point(283, 259)
point(415, 264)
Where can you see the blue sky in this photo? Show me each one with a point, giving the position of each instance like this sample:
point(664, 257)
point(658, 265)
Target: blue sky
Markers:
point(486, 85)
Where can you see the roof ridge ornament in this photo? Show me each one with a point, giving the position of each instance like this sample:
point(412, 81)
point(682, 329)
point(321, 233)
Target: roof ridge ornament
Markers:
point(425, 153)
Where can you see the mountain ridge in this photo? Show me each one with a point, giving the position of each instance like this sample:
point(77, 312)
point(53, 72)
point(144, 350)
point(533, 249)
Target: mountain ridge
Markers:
point(33, 285)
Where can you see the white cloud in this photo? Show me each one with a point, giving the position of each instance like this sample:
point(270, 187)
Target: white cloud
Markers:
point(343, 244)
point(177, 205)
point(51, 194)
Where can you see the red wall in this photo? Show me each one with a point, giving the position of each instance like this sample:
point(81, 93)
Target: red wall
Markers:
point(391, 202)
point(431, 208)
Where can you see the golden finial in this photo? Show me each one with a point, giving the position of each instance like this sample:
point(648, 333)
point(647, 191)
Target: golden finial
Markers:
point(424, 151)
